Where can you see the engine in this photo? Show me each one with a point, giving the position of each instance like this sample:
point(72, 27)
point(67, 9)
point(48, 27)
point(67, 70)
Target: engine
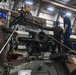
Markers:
point(33, 43)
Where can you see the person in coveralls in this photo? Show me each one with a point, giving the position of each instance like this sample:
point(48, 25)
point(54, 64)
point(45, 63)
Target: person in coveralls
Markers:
point(57, 35)
point(3, 31)
point(67, 31)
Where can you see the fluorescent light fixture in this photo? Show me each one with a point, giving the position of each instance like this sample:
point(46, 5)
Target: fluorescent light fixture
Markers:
point(65, 0)
point(68, 14)
point(50, 9)
point(28, 2)
point(19, 9)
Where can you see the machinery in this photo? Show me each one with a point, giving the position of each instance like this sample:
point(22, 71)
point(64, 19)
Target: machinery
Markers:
point(32, 39)
point(31, 36)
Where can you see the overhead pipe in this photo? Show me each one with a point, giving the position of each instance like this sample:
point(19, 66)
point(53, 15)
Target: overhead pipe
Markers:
point(62, 5)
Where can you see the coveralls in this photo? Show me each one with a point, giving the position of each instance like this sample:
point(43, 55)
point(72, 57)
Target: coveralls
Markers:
point(67, 34)
point(57, 35)
point(3, 31)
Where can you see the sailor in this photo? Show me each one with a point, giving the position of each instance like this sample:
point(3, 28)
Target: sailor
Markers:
point(3, 31)
point(57, 35)
point(25, 10)
point(67, 31)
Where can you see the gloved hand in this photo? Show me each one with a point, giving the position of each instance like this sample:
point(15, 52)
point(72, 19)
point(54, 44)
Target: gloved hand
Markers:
point(16, 33)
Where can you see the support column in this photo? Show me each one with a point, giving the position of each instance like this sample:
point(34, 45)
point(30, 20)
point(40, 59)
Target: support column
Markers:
point(74, 22)
point(8, 13)
point(39, 9)
point(8, 18)
point(58, 15)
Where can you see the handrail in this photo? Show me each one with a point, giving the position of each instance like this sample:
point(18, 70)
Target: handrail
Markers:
point(8, 40)
point(70, 50)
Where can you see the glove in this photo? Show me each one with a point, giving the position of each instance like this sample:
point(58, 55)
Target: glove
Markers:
point(16, 33)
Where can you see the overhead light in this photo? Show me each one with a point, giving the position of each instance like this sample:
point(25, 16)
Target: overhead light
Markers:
point(68, 14)
point(50, 9)
point(28, 2)
point(19, 9)
point(65, 0)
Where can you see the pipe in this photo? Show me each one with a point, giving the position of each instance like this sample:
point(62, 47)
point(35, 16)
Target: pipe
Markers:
point(61, 5)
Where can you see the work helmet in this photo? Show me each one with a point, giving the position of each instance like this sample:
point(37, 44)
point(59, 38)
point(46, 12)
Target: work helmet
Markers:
point(62, 13)
point(57, 22)
point(2, 15)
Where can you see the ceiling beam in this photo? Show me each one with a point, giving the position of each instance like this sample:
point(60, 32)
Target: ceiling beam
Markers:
point(15, 3)
point(73, 2)
point(62, 5)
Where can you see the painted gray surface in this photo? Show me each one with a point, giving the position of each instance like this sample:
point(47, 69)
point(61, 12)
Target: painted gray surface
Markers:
point(47, 68)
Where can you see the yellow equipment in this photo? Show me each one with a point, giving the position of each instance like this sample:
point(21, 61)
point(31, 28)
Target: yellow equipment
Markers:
point(27, 9)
